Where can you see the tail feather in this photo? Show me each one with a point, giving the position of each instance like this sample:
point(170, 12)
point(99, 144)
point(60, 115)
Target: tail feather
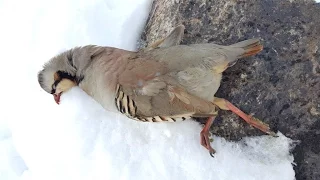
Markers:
point(250, 47)
point(252, 51)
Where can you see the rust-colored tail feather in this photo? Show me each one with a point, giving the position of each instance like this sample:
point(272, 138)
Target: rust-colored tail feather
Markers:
point(250, 46)
point(252, 51)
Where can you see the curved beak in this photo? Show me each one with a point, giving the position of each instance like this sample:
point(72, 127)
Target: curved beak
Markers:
point(57, 97)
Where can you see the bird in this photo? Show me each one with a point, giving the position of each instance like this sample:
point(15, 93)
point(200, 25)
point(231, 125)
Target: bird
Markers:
point(164, 82)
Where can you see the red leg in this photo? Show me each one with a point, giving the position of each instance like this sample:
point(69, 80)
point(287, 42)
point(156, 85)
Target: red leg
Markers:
point(226, 105)
point(204, 136)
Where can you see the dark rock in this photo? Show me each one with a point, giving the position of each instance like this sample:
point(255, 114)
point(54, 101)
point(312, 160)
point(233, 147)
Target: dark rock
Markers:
point(280, 85)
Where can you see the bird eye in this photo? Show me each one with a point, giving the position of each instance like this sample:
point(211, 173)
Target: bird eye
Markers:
point(54, 86)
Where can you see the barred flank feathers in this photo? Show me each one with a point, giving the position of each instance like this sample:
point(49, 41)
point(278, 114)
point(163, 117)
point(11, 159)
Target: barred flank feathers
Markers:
point(128, 107)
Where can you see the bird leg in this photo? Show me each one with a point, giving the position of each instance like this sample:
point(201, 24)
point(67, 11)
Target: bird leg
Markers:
point(226, 105)
point(204, 136)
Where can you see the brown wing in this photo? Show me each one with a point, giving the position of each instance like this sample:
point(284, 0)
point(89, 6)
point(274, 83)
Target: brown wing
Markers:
point(148, 91)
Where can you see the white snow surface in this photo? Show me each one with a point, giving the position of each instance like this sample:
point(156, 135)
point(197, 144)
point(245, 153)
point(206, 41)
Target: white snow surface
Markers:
point(79, 139)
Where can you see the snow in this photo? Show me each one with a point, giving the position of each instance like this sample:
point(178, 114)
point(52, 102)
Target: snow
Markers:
point(80, 140)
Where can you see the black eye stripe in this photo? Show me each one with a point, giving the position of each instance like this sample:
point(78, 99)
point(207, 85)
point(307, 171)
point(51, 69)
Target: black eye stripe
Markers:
point(61, 75)
point(79, 79)
point(56, 83)
point(54, 86)
point(65, 75)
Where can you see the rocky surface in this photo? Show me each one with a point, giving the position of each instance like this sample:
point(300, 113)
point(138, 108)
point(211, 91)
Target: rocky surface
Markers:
point(280, 85)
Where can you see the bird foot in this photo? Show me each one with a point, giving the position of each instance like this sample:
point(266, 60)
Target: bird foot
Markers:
point(226, 105)
point(204, 137)
point(205, 142)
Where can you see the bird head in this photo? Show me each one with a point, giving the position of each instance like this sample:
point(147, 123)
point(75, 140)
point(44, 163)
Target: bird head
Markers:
point(65, 70)
point(58, 75)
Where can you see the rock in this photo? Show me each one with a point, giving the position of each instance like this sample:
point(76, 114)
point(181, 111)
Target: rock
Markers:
point(280, 85)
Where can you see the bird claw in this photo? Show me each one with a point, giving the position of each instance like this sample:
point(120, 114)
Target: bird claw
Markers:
point(205, 142)
point(212, 152)
point(264, 125)
point(272, 134)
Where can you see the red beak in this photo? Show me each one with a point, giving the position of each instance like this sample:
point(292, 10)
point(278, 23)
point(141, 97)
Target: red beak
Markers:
point(57, 97)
